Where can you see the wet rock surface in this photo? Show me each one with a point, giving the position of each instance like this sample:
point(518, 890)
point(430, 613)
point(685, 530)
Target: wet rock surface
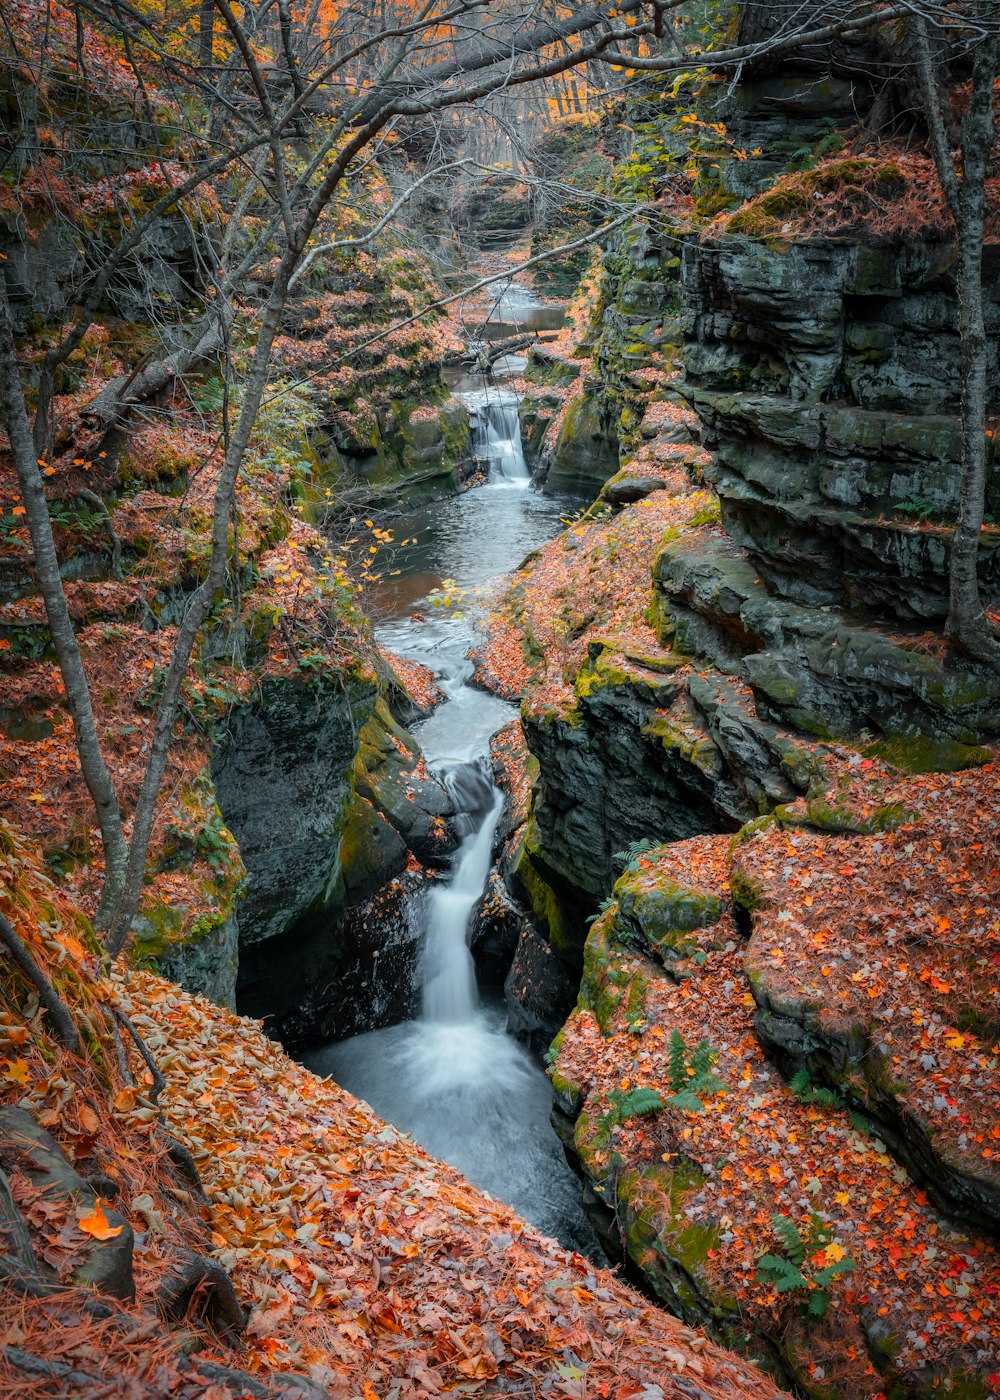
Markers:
point(826, 375)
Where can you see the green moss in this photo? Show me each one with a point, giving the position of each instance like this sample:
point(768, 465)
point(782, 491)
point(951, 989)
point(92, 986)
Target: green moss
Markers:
point(606, 982)
point(928, 754)
point(745, 833)
point(853, 181)
point(744, 891)
point(659, 915)
point(823, 815)
point(563, 937)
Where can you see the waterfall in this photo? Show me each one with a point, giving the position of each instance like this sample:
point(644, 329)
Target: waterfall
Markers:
point(496, 435)
point(450, 995)
point(467, 1091)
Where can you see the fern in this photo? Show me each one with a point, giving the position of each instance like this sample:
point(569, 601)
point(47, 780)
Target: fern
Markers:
point(807, 1092)
point(636, 1103)
point(781, 1273)
point(794, 1271)
point(818, 1305)
point(606, 904)
point(687, 1101)
point(789, 1238)
point(825, 1276)
point(630, 856)
point(703, 1058)
point(677, 1061)
point(209, 397)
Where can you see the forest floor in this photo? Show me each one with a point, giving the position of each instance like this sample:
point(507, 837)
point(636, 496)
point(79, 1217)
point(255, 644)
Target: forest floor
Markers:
point(367, 1267)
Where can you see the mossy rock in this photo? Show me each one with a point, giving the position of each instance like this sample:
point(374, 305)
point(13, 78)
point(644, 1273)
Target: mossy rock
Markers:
point(927, 754)
point(606, 982)
point(660, 916)
point(527, 873)
point(820, 814)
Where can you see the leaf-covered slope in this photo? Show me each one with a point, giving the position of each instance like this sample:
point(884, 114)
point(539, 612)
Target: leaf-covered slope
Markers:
point(368, 1269)
point(860, 955)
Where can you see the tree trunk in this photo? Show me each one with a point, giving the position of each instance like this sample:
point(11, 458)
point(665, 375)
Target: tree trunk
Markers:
point(117, 920)
point(206, 32)
point(967, 626)
point(111, 406)
point(102, 790)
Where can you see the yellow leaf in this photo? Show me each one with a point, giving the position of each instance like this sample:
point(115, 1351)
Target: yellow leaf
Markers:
point(17, 1072)
point(97, 1225)
point(834, 1253)
point(842, 1198)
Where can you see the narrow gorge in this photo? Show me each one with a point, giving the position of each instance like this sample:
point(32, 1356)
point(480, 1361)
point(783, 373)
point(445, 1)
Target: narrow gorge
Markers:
point(500, 701)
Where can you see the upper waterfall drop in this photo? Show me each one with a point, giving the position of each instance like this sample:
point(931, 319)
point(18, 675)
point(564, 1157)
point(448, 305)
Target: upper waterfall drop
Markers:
point(496, 435)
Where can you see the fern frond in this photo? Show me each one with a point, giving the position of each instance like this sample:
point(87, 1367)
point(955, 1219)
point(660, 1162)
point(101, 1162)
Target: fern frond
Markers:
point(818, 1305)
point(789, 1238)
point(800, 1085)
point(778, 1271)
point(686, 1101)
point(825, 1276)
point(636, 1103)
point(677, 1060)
point(703, 1057)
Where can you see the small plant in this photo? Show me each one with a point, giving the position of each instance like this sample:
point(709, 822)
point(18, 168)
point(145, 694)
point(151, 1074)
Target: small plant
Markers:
point(807, 1092)
point(690, 1074)
point(606, 904)
point(914, 505)
point(809, 1261)
point(630, 857)
point(624, 1104)
point(807, 157)
point(209, 397)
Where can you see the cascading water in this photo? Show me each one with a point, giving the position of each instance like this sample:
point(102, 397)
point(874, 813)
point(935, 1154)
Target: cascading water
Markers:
point(496, 435)
point(450, 995)
point(453, 1078)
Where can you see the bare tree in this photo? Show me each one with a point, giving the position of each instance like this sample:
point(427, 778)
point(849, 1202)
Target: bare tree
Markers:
point(283, 135)
point(964, 185)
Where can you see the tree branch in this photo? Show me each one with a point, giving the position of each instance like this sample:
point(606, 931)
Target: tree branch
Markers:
point(62, 1019)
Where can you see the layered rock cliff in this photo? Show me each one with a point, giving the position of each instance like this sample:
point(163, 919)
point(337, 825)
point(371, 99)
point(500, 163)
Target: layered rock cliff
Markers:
point(764, 783)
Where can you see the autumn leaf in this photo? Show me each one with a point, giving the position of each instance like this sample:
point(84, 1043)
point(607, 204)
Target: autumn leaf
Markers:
point(97, 1225)
point(480, 1367)
point(17, 1072)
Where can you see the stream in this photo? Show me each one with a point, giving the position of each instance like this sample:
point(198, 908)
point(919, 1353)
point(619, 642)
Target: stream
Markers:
point(453, 1078)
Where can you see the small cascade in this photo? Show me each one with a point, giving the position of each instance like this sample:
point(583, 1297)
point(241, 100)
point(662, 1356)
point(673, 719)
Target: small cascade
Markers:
point(450, 995)
point(496, 435)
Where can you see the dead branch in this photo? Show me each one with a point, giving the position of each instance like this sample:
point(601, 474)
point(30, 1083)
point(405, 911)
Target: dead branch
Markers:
point(60, 1014)
point(159, 1083)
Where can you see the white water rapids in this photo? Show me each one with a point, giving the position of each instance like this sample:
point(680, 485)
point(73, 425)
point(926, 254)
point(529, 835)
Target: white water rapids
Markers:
point(453, 1078)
